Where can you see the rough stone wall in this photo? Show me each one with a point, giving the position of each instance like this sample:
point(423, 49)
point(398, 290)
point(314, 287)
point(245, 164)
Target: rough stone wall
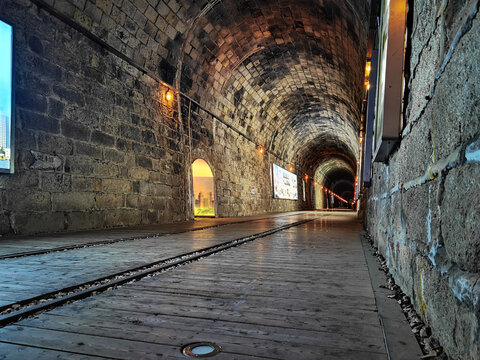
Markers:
point(424, 205)
point(242, 174)
point(93, 147)
point(96, 146)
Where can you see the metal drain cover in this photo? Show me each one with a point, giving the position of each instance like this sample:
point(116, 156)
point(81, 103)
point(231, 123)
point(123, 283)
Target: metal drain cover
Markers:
point(201, 349)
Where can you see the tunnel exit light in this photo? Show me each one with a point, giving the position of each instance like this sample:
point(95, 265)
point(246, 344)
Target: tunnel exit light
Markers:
point(6, 97)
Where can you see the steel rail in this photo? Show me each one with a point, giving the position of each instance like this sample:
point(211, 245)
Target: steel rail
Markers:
point(35, 305)
point(123, 239)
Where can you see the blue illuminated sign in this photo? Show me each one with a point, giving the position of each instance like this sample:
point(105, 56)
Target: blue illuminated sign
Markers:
point(6, 97)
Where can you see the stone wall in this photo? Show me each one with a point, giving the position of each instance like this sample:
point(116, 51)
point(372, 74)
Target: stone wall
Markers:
point(424, 205)
point(96, 144)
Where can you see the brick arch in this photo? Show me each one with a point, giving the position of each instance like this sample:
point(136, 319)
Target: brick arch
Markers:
point(287, 73)
point(334, 169)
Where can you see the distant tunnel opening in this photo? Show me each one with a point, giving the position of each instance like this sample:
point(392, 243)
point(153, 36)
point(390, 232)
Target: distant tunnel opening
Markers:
point(335, 184)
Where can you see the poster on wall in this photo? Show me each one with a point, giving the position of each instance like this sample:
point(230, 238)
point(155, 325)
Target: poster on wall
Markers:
point(284, 184)
point(6, 97)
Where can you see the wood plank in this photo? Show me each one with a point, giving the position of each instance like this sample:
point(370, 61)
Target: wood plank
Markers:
point(303, 293)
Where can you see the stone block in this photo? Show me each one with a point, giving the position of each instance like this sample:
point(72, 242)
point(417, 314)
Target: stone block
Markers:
point(118, 186)
point(460, 219)
point(101, 169)
point(87, 184)
point(149, 217)
point(452, 322)
point(73, 201)
point(24, 223)
point(456, 103)
point(138, 173)
point(99, 137)
point(93, 12)
point(418, 142)
point(122, 217)
point(32, 199)
point(69, 95)
point(79, 165)
point(415, 209)
point(92, 151)
point(5, 226)
point(21, 179)
point(139, 202)
point(109, 201)
point(143, 161)
point(65, 7)
point(34, 121)
point(114, 156)
point(56, 182)
point(75, 131)
point(30, 101)
point(104, 5)
point(84, 220)
point(130, 133)
point(51, 144)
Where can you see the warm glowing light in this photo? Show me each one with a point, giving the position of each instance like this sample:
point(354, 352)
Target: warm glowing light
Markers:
point(261, 150)
point(368, 68)
point(314, 183)
point(290, 168)
point(306, 177)
point(203, 189)
point(200, 168)
point(360, 139)
point(168, 96)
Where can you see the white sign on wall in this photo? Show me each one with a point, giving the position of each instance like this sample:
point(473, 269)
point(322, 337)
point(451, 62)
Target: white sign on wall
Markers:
point(284, 184)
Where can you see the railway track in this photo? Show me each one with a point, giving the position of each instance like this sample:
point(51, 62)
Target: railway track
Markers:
point(31, 306)
point(124, 239)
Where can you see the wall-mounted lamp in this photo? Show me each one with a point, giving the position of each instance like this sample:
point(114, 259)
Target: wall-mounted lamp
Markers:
point(368, 68)
point(260, 148)
point(290, 168)
point(169, 95)
point(306, 177)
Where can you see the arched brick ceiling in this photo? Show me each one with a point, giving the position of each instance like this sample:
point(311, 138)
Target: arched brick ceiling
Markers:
point(331, 163)
point(289, 73)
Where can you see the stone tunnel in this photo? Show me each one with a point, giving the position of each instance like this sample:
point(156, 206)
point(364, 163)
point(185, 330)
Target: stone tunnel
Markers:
point(364, 106)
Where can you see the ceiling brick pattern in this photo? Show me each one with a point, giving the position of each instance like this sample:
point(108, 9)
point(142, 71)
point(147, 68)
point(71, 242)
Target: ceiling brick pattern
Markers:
point(288, 74)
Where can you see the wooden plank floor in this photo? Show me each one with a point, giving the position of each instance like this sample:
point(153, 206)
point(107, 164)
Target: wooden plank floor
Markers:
point(19, 244)
point(26, 277)
point(302, 293)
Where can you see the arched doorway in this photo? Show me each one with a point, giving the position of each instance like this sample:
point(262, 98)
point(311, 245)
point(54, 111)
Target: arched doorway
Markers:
point(203, 189)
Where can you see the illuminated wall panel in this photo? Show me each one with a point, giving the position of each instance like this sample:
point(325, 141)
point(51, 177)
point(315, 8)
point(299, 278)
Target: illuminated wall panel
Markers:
point(284, 184)
point(388, 122)
point(203, 189)
point(6, 97)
